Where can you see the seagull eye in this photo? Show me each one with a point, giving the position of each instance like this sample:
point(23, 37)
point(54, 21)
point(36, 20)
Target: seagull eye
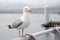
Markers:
point(26, 9)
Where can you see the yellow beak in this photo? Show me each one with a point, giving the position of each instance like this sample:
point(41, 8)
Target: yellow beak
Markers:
point(29, 10)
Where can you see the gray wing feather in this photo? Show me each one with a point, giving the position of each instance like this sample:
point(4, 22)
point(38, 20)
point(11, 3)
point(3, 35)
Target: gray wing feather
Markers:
point(17, 23)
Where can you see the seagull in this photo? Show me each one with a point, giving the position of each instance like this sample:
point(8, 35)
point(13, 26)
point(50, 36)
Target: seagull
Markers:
point(23, 22)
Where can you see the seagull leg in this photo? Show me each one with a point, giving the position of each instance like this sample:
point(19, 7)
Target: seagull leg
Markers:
point(19, 33)
point(22, 32)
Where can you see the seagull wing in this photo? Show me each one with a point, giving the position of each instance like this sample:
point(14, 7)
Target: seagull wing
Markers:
point(17, 23)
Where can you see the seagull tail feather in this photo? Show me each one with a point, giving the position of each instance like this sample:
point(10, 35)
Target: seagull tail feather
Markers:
point(9, 26)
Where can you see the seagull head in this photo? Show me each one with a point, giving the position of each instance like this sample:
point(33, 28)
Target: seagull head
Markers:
point(27, 9)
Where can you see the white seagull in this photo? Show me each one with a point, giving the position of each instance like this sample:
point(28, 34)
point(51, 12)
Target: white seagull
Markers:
point(22, 22)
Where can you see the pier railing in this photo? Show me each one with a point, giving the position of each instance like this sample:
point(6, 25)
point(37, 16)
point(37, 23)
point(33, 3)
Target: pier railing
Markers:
point(56, 32)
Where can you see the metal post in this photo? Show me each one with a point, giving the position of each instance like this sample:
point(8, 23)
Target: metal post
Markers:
point(46, 14)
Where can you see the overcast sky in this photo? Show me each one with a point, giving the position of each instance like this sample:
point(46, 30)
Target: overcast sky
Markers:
point(31, 1)
point(34, 2)
point(18, 4)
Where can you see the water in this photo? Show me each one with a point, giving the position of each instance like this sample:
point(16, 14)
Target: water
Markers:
point(35, 26)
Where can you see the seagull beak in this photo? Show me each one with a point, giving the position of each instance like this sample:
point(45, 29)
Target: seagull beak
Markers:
point(29, 10)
